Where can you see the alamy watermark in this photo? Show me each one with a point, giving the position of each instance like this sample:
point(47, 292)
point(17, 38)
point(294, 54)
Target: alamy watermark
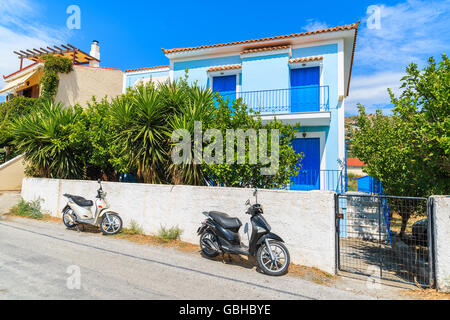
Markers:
point(73, 281)
point(374, 19)
point(187, 151)
point(74, 19)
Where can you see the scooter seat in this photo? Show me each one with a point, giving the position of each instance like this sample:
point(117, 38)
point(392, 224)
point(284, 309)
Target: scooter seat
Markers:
point(82, 202)
point(225, 220)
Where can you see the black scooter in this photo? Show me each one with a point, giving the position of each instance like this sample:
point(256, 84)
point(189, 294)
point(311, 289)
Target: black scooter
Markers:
point(219, 234)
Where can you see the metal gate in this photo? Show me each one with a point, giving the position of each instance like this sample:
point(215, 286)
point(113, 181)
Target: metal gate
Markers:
point(385, 236)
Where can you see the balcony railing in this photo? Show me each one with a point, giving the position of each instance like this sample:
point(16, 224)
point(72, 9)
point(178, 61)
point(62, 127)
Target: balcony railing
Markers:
point(332, 180)
point(295, 99)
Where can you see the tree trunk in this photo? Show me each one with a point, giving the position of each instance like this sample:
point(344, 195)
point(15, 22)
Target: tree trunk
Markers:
point(405, 217)
point(7, 152)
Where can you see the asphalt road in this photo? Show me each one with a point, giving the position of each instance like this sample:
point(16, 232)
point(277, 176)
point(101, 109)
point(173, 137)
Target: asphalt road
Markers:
point(43, 260)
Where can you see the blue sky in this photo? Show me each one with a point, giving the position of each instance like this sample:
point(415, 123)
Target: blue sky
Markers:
point(132, 33)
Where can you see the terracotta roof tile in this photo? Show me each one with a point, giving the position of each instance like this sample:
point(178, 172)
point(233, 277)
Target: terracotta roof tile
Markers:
point(307, 59)
point(222, 68)
point(148, 68)
point(262, 49)
point(289, 36)
point(355, 162)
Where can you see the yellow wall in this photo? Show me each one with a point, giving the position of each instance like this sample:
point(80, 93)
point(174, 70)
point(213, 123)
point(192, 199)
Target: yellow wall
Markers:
point(82, 83)
point(11, 174)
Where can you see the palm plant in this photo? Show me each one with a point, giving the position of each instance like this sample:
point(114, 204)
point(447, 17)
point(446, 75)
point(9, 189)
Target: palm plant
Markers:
point(52, 139)
point(142, 131)
point(173, 95)
point(199, 107)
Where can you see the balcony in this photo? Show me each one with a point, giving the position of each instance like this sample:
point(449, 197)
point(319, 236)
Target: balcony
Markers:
point(332, 180)
point(283, 101)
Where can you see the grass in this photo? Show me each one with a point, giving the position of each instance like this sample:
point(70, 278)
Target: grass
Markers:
point(30, 209)
point(170, 234)
point(135, 228)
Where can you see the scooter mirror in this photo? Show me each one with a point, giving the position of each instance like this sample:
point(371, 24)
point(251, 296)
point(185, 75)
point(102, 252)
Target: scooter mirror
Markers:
point(99, 180)
point(247, 203)
point(255, 191)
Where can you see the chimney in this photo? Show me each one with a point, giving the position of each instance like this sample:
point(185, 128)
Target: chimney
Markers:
point(95, 52)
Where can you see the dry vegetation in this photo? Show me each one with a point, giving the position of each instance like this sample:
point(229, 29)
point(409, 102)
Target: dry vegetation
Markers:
point(426, 294)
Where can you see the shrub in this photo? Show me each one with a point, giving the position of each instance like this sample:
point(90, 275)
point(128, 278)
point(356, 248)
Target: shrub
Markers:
point(53, 140)
point(30, 209)
point(135, 228)
point(170, 234)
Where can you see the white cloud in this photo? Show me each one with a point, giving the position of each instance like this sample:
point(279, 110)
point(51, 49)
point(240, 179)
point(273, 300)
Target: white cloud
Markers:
point(314, 25)
point(371, 91)
point(19, 30)
point(411, 31)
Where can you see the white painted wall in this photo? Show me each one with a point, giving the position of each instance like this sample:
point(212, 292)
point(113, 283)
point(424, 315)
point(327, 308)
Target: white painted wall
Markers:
point(305, 220)
point(441, 243)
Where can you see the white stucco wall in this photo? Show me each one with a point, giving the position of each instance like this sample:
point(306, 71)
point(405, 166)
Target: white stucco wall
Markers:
point(441, 243)
point(305, 220)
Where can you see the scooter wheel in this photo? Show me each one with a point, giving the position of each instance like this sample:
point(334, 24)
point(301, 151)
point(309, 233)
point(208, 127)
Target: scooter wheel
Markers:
point(111, 224)
point(281, 262)
point(67, 221)
point(207, 251)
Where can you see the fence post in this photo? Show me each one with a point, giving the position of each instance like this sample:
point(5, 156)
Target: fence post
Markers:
point(430, 238)
point(337, 222)
point(441, 241)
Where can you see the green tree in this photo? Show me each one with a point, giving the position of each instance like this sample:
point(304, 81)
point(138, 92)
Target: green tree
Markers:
point(236, 115)
point(409, 152)
point(103, 157)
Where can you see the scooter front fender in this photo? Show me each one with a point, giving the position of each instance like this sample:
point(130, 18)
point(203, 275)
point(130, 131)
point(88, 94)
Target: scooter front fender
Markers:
point(269, 235)
point(101, 214)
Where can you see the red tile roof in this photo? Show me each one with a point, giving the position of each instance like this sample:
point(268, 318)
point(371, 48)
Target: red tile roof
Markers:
point(355, 162)
point(307, 59)
point(222, 68)
point(289, 36)
point(148, 68)
point(262, 49)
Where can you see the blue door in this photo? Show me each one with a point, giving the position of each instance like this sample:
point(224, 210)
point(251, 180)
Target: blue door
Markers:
point(309, 175)
point(305, 89)
point(226, 85)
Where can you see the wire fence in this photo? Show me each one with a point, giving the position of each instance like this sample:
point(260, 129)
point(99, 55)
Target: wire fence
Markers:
point(393, 246)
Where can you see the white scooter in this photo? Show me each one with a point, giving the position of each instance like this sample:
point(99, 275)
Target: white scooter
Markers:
point(79, 211)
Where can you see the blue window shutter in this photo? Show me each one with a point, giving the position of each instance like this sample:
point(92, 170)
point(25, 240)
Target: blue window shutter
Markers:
point(224, 83)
